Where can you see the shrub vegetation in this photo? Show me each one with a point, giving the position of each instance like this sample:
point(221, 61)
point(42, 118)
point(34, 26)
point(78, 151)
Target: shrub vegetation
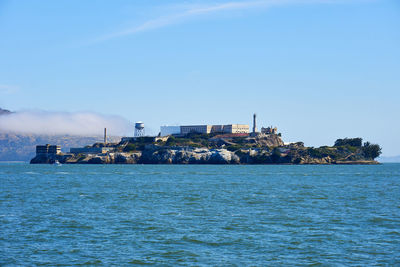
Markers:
point(356, 142)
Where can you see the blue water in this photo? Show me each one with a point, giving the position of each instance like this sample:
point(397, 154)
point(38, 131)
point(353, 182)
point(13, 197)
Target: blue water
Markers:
point(199, 215)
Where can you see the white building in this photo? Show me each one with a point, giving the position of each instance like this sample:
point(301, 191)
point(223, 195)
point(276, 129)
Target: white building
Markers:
point(204, 129)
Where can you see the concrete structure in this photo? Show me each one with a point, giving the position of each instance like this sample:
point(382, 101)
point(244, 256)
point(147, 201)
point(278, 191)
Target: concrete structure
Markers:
point(170, 130)
point(48, 150)
point(88, 150)
point(269, 130)
point(206, 129)
point(236, 128)
point(105, 136)
point(161, 138)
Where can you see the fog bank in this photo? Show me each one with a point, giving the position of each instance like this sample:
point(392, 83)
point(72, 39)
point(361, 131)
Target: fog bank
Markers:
point(64, 123)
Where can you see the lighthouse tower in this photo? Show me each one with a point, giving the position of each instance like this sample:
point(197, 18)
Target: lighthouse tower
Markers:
point(254, 123)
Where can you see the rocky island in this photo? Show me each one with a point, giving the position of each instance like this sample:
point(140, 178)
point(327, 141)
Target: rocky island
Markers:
point(213, 148)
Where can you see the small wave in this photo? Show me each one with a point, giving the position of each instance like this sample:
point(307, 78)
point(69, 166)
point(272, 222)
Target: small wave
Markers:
point(140, 262)
point(42, 231)
point(254, 202)
point(209, 243)
point(192, 198)
point(319, 198)
point(151, 228)
point(90, 262)
point(171, 213)
point(393, 233)
point(149, 173)
point(75, 250)
point(76, 225)
point(381, 219)
point(31, 172)
point(178, 254)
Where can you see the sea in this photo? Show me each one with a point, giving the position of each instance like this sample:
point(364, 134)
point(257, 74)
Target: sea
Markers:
point(199, 215)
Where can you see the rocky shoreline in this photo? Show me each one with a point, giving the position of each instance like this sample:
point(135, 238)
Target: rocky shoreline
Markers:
point(189, 155)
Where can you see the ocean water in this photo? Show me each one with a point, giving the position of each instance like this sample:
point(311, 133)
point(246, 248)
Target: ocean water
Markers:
point(199, 215)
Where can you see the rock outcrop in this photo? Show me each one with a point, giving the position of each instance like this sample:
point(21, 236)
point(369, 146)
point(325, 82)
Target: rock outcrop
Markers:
point(188, 155)
point(271, 140)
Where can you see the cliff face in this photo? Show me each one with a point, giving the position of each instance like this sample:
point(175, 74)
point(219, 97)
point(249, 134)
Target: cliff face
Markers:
point(272, 140)
point(181, 155)
point(149, 156)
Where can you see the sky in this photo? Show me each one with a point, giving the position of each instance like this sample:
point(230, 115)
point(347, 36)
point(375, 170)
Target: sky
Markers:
point(317, 69)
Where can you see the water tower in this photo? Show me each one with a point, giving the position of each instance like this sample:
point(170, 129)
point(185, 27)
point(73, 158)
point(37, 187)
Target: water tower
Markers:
point(139, 129)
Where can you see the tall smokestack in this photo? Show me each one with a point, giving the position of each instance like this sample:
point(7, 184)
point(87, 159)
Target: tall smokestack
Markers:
point(105, 136)
point(254, 123)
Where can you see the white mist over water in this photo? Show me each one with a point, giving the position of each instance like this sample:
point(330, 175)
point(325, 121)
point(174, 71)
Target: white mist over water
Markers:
point(60, 123)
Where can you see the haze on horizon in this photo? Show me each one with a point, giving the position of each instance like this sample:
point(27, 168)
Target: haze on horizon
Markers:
point(317, 69)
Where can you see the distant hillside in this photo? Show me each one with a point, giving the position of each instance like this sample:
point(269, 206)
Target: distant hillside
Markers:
point(4, 111)
point(21, 147)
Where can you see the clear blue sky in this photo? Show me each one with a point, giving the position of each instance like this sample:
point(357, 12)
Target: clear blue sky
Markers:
point(319, 70)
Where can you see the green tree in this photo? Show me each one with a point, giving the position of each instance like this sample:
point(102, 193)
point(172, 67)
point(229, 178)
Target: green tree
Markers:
point(356, 142)
point(371, 151)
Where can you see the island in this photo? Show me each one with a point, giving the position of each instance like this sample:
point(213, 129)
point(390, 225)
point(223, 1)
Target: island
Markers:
point(212, 148)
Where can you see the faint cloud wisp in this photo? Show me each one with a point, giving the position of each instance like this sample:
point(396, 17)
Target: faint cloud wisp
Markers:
point(197, 11)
